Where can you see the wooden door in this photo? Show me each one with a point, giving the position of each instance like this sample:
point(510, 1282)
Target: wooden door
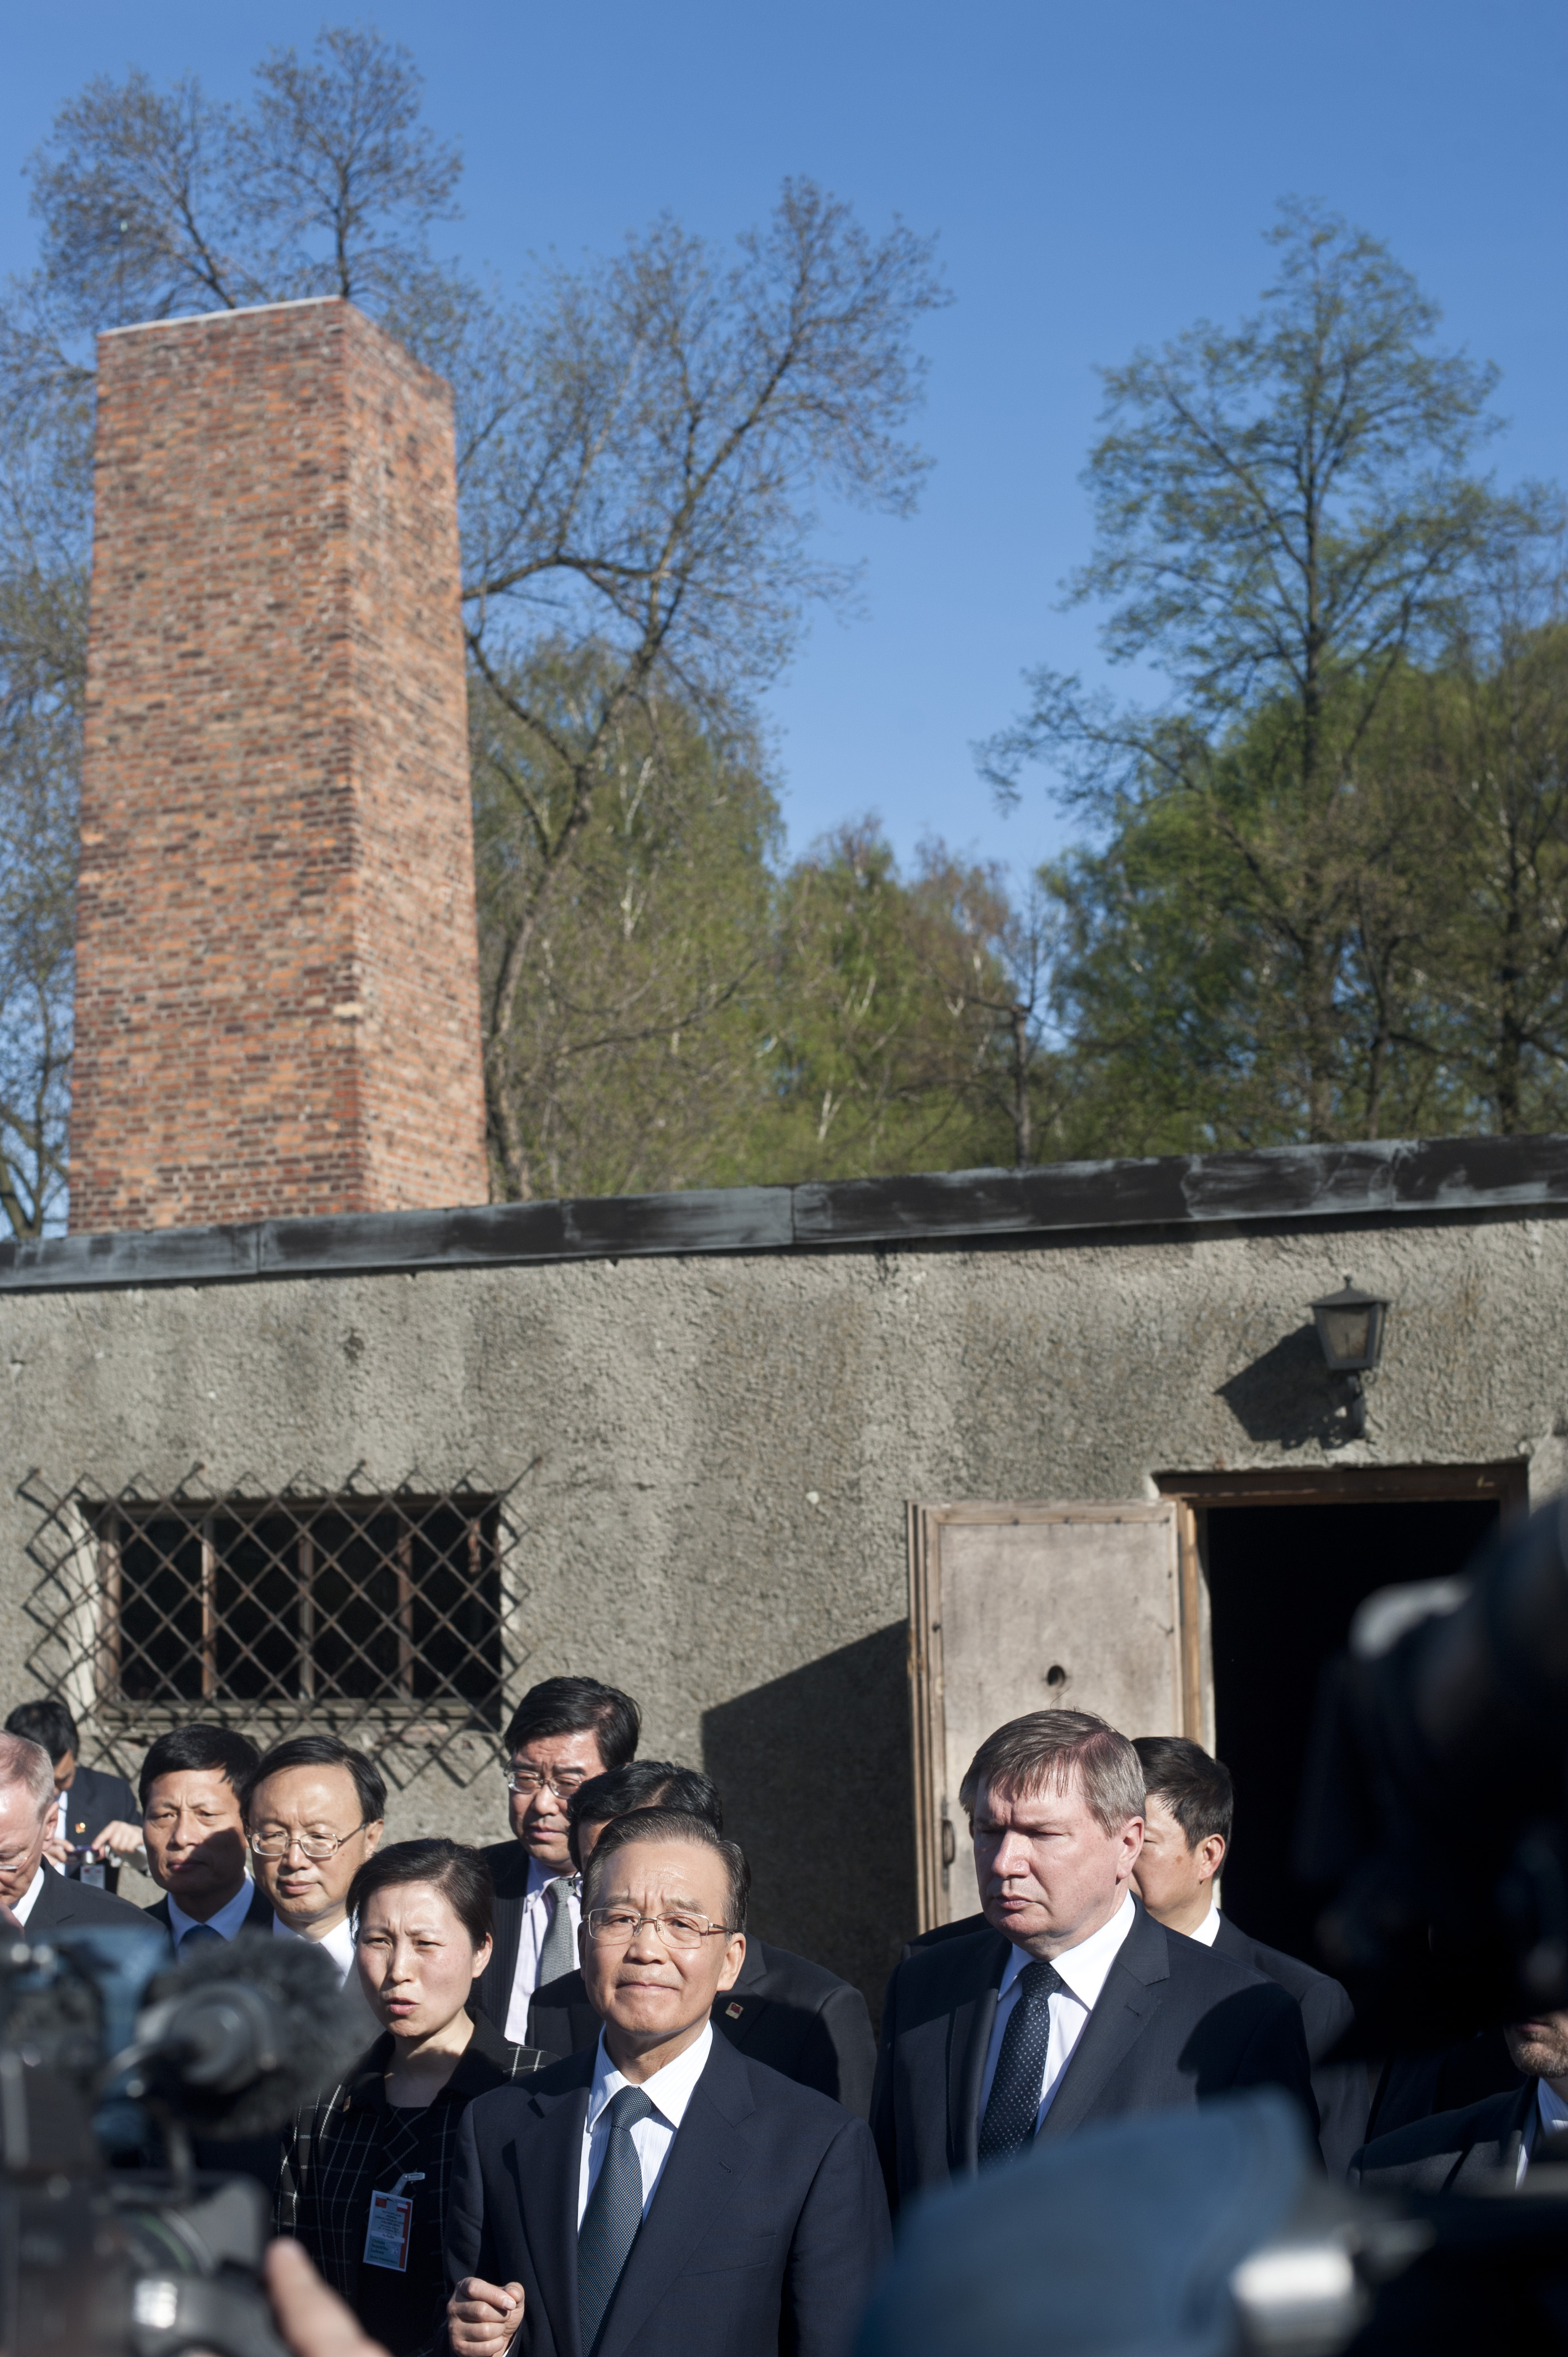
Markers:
point(1020, 1608)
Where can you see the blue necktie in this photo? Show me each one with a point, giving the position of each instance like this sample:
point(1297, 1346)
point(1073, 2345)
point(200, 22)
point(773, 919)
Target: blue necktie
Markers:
point(612, 2217)
point(1009, 2122)
point(194, 1934)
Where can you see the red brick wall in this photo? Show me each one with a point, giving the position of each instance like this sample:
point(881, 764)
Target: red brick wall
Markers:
point(277, 982)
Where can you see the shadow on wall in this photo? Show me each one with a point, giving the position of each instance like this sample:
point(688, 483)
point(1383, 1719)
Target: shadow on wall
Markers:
point(1288, 1396)
point(815, 1770)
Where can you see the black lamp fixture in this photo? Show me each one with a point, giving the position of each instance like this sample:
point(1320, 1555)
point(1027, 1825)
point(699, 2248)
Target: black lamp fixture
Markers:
point(1350, 1330)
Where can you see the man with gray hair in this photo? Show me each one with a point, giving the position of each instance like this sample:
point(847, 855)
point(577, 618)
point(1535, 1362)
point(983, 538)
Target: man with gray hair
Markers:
point(37, 1897)
point(1073, 2006)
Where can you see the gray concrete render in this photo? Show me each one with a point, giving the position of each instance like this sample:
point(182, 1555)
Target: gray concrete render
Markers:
point(709, 1416)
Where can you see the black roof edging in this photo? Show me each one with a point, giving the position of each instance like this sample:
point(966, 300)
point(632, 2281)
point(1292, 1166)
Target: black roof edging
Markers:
point(1281, 1183)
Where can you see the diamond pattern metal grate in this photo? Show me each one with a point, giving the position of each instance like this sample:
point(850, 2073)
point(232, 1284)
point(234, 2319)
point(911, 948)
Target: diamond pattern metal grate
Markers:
point(392, 1617)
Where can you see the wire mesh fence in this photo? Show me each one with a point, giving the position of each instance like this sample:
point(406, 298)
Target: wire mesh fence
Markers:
point(393, 1618)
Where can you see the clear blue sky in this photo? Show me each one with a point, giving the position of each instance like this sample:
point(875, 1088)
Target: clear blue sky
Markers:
point(1099, 176)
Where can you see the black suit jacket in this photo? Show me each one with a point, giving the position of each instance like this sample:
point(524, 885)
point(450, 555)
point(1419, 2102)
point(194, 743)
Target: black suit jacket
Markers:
point(1340, 2089)
point(1175, 2025)
point(64, 1905)
point(97, 1799)
point(963, 1928)
point(258, 1916)
point(1452, 2152)
point(509, 1862)
point(797, 2016)
point(768, 2226)
point(1448, 2079)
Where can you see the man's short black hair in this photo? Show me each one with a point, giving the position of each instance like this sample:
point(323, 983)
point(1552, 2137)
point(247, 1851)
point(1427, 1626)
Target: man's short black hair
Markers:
point(1196, 1789)
point(45, 1721)
point(668, 1826)
point(578, 1707)
point(321, 1751)
point(199, 1746)
point(642, 1784)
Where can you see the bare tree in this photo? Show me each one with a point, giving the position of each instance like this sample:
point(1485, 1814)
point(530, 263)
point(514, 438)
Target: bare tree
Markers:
point(159, 203)
point(154, 203)
point(647, 489)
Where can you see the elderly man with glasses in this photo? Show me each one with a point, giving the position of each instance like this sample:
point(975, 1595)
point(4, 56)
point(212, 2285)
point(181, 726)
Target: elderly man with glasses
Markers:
point(314, 1810)
point(563, 1731)
point(660, 2194)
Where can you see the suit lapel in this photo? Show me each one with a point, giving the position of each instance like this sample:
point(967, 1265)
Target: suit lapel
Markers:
point(973, 2018)
point(706, 2163)
point(1133, 1991)
point(258, 1914)
point(545, 2167)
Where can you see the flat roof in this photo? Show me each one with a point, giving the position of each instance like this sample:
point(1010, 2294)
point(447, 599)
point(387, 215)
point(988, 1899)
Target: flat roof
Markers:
point(1290, 1186)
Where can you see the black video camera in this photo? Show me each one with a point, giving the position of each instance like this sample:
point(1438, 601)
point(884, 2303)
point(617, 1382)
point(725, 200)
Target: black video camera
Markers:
point(1435, 1816)
point(117, 2074)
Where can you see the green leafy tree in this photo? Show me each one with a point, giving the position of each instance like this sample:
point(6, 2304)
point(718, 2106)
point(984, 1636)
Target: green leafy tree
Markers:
point(632, 1060)
point(1288, 520)
point(1499, 779)
point(888, 1042)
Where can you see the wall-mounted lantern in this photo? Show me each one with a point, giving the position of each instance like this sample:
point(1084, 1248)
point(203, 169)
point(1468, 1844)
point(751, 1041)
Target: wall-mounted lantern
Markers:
point(1350, 1330)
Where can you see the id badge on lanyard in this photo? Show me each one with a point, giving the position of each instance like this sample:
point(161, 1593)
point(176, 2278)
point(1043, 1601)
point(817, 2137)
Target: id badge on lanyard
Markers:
point(391, 2224)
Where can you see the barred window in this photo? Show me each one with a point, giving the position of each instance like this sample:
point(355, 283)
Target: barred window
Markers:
point(360, 1599)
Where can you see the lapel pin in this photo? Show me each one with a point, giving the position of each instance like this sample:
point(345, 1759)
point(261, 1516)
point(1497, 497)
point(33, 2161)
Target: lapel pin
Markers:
point(734, 2011)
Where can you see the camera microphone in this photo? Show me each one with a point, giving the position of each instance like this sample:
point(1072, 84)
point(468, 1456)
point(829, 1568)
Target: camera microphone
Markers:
point(240, 2034)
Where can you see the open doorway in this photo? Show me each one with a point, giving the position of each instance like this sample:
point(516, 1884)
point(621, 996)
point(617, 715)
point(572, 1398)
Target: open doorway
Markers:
point(1285, 1576)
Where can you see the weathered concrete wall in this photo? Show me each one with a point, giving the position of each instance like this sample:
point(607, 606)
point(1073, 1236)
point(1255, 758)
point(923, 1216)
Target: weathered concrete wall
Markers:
point(714, 1458)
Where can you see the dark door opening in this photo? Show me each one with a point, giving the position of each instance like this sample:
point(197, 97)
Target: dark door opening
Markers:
point(1284, 1584)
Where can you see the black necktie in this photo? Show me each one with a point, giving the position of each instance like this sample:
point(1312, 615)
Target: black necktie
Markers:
point(613, 2215)
point(1009, 2122)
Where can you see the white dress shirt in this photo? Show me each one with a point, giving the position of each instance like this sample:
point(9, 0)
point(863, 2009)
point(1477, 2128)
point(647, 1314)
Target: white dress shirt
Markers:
point(536, 1907)
point(1553, 2120)
point(1208, 1930)
point(338, 1943)
point(668, 2091)
point(22, 1907)
point(226, 1922)
point(1083, 1969)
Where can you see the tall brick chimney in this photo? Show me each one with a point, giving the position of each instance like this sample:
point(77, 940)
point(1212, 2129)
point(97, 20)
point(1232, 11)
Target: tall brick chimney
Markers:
point(277, 978)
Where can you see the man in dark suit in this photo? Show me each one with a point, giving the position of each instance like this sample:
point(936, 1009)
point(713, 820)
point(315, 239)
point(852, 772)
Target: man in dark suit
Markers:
point(662, 2194)
point(783, 2010)
point(95, 1812)
point(1490, 2146)
point(1073, 2006)
point(194, 1825)
point(563, 1731)
point(41, 1900)
point(1190, 1809)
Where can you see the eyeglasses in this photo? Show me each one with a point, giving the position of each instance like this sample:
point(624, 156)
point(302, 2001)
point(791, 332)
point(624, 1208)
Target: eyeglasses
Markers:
point(17, 1858)
point(564, 1782)
point(314, 1846)
point(617, 1927)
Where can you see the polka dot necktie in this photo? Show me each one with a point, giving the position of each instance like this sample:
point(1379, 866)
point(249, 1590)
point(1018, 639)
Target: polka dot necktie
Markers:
point(1009, 2122)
